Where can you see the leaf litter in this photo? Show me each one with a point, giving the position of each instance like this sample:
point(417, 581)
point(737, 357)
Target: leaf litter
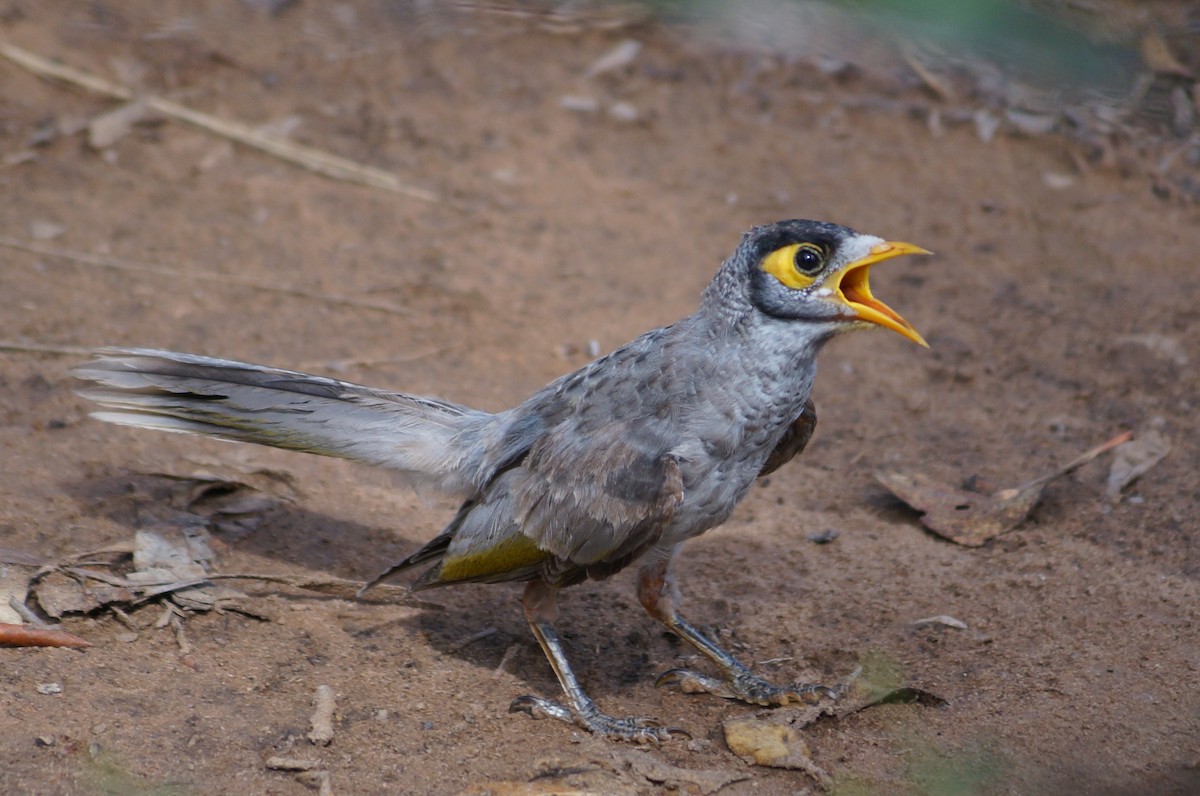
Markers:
point(170, 562)
point(971, 518)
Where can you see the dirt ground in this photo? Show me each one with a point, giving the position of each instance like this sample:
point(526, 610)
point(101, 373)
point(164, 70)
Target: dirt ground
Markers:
point(1060, 310)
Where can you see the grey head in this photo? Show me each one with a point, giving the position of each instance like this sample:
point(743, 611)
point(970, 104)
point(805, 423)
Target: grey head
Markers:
point(809, 271)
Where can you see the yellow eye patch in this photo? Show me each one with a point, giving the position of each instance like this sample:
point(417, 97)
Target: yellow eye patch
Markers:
point(781, 264)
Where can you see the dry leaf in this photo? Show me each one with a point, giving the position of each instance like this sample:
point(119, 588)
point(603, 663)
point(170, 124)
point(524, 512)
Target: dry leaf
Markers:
point(23, 636)
point(1135, 458)
point(59, 594)
point(1158, 57)
point(764, 743)
point(967, 518)
point(972, 518)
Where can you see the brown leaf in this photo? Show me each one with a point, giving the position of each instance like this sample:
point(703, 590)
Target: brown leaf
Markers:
point(24, 636)
point(767, 743)
point(972, 518)
point(967, 518)
point(58, 594)
point(1157, 55)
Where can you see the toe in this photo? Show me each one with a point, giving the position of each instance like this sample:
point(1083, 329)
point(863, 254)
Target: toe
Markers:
point(540, 708)
point(690, 682)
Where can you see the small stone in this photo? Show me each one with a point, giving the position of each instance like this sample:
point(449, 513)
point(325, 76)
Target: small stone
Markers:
point(943, 619)
point(41, 229)
point(579, 103)
point(623, 112)
point(1031, 124)
point(986, 125)
point(48, 689)
point(618, 57)
point(1056, 181)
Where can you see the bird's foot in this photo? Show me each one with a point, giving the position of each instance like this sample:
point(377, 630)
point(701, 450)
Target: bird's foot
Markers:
point(745, 687)
point(642, 731)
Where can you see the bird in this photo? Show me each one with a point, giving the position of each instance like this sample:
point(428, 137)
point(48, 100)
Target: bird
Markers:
point(619, 462)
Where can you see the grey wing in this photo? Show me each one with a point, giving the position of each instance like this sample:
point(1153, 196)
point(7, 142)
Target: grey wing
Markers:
point(794, 439)
point(558, 517)
point(600, 499)
point(421, 437)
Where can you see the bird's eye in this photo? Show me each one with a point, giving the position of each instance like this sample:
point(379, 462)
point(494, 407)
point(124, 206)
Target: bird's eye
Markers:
point(809, 259)
point(796, 265)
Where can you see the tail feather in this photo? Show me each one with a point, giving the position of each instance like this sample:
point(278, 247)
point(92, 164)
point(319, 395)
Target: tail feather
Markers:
point(424, 438)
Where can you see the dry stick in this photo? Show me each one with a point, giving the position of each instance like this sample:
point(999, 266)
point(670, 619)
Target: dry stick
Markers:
point(1075, 463)
point(185, 647)
point(311, 159)
point(332, 587)
point(100, 261)
point(321, 724)
point(482, 634)
point(44, 348)
point(506, 660)
point(29, 616)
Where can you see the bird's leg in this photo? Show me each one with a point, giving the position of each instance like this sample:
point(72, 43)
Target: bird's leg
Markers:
point(540, 602)
point(659, 595)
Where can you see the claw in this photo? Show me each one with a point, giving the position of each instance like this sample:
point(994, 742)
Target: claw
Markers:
point(679, 731)
point(637, 730)
point(745, 687)
point(539, 708)
point(819, 691)
point(690, 682)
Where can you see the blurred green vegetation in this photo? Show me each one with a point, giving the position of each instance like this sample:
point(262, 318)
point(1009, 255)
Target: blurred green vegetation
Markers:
point(1029, 43)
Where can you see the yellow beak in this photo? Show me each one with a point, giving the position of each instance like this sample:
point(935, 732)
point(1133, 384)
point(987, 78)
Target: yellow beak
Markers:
point(851, 286)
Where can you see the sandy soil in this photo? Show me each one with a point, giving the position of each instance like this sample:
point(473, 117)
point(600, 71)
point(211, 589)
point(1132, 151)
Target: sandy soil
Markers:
point(1046, 308)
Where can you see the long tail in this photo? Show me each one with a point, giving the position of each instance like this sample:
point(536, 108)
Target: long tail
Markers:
point(427, 439)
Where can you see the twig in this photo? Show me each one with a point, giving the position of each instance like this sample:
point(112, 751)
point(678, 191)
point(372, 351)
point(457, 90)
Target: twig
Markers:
point(318, 778)
point(1075, 463)
point(29, 616)
point(281, 763)
point(124, 618)
point(45, 348)
point(506, 660)
point(321, 724)
point(185, 647)
point(100, 261)
point(167, 614)
point(312, 159)
point(334, 587)
point(469, 640)
point(343, 364)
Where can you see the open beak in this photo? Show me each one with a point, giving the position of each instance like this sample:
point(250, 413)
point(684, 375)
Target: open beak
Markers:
point(851, 286)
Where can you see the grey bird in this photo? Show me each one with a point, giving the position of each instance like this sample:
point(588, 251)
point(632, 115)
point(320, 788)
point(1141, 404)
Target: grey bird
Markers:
point(623, 460)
